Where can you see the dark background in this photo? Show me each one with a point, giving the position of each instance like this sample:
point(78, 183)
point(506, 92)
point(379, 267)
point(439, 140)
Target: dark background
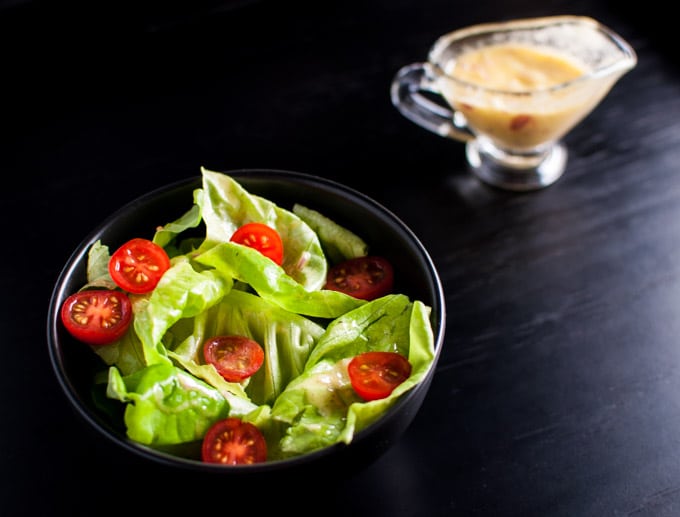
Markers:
point(557, 389)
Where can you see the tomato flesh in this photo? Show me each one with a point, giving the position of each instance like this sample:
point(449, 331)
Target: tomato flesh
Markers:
point(261, 237)
point(234, 442)
point(367, 278)
point(138, 265)
point(375, 375)
point(97, 317)
point(234, 357)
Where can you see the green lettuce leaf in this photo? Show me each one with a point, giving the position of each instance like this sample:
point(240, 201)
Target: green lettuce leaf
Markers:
point(126, 354)
point(287, 340)
point(339, 244)
point(166, 235)
point(181, 293)
point(320, 405)
point(166, 405)
point(226, 206)
point(98, 267)
point(273, 284)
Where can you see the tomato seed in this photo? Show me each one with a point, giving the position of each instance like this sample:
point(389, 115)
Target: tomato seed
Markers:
point(80, 319)
point(141, 278)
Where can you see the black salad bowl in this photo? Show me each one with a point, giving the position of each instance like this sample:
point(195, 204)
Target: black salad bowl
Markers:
point(415, 275)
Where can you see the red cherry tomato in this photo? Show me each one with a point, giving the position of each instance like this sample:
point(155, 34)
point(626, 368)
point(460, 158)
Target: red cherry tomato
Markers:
point(97, 317)
point(234, 442)
point(234, 357)
point(367, 277)
point(138, 265)
point(261, 237)
point(374, 375)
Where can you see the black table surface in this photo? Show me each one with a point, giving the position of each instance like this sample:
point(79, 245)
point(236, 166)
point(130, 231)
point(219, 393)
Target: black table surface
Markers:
point(558, 388)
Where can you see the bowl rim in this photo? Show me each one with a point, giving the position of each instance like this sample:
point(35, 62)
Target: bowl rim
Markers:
point(59, 293)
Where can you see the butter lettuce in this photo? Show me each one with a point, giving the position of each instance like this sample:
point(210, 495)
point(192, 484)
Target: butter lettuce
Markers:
point(287, 339)
point(273, 284)
point(338, 243)
point(226, 205)
point(320, 406)
point(166, 406)
point(301, 398)
point(181, 293)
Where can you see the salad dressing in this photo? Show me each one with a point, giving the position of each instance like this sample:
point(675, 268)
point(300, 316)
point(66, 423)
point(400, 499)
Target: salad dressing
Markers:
point(330, 391)
point(496, 88)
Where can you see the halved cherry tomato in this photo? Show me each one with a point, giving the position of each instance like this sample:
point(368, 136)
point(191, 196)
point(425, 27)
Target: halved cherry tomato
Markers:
point(234, 442)
point(97, 317)
point(374, 375)
point(261, 237)
point(138, 265)
point(368, 277)
point(234, 357)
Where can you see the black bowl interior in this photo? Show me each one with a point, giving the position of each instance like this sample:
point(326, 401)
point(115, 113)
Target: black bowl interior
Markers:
point(416, 276)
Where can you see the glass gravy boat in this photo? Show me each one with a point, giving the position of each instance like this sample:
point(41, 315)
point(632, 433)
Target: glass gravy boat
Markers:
point(513, 105)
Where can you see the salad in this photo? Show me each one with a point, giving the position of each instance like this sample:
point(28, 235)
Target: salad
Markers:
point(248, 331)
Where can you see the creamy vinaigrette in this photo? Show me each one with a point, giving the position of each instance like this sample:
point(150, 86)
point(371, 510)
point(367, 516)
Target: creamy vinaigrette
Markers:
point(503, 110)
point(514, 67)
